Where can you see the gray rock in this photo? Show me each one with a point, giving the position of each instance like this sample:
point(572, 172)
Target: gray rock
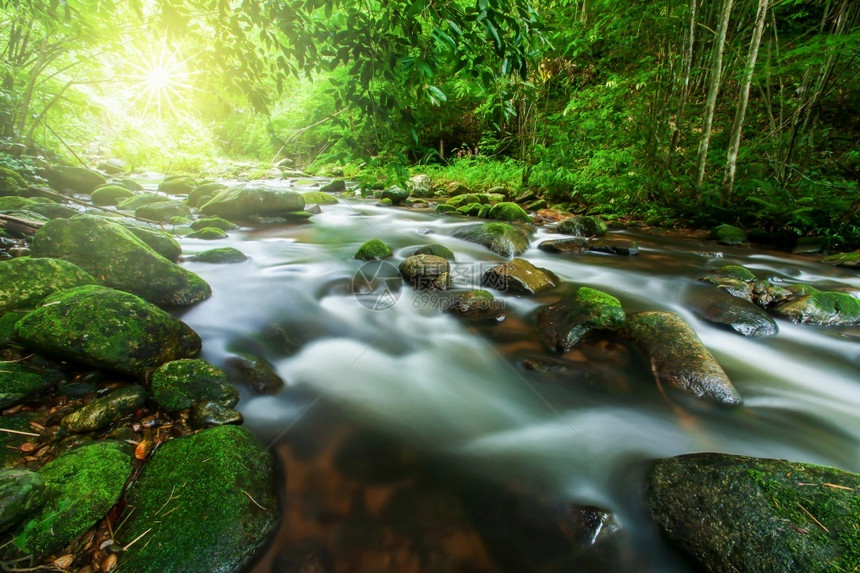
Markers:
point(575, 246)
point(614, 247)
point(209, 414)
point(519, 276)
point(256, 373)
point(426, 272)
point(740, 315)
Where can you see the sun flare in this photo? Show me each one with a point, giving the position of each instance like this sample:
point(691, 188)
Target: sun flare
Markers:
point(160, 77)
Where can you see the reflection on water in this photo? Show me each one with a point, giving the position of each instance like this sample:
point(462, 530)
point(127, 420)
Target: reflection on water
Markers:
point(413, 441)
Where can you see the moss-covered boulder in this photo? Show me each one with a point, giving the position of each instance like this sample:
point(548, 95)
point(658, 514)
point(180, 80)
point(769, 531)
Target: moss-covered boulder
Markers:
point(110, 194)
point(220, 255)
point(203, 191)
point(22, 493)
point(216, 222)
point(577, 316)
point(426, 272)
point(241, 203)
point(736, 272)
point(141, 200)
point(435, 250)
point(582, 226)
point(81, 485)
point(678, 357)
point(208, 234)
point(8, 321)
point(732, 286)
point(851, 260)
point(573, 246)
point(508, 212)
point(25, 281)
point(160, 242)
point(456, 188)
point(468, 198)
point(334, 186)
point(13, 203)
point(501, 238)
point(163, 211)
point(474, 305)
point(221, 505)
point(182, 383)
point(106, 410)
point(445, 209)
point(420, 186)
point(373, 250)
point(177, 185)
point(109, 328)
point(737, 314)
point(822, 308)
point(396, 194)
point(728, 235)
point(621, 247)
point(385, 203)
point(113, 254)
point(519, 276)
point(734, 513)
point(11, 183)
point(471, 209)
point(22, 378)
point(319, 198)
point(74, 179)
point(53, 210)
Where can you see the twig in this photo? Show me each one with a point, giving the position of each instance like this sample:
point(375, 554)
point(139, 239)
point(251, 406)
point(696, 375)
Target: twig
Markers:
point(136, 539)
point(818, 523)
point(253, 500)
point(7, 430)
point(833, 485)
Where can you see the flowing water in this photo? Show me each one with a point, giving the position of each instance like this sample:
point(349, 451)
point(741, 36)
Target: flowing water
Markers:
point(412, 440)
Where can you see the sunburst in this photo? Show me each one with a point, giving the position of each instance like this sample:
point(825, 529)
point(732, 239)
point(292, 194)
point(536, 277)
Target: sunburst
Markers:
point(161, 77)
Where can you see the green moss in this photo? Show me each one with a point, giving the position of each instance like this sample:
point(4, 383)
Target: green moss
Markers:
point(203, 192)
point(822, 308)
point(385, 202)
point(110, 194)
point(20, 379)
point(25, 281)
point(582, 226)
point(470, 209)
point(11, 182)
point(467, 198)
point(82, 486)
point(445, 209)
point(16, 203)
point(216, 222)
point(500, 238)
point(728, 235)
point(220, 255)
point(163, 211)
point(578, 316)
point(239, 203)
point(372, 250)
point(182, 383)
point(437, 250)
point(7, 325)
point(736, 272)
point(159, 241)
point(177, 185)
point(509, 212)
point(318, 197)
point(105, 410)
point(208, 234)
point(843, 259)
point(588, 295)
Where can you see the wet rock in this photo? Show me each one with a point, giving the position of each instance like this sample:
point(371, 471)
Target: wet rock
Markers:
point(563, 324)
point(733, 287)
point(103, 411)
point(10, 443)
point(11, 183)
point(75, 179)
point(209, 414)
point(735, 513)
point(588, 524)
point(216, 222)
point(740, 315)
point(182, 383)
point(208, 234)
point(526, 196)
point(203, 192)
point(678, 357)
point(501, 238)
point(582, 226)
point(538, 205)
point(108, 328)
point(112, 253)
point(373, 250)
point(728, 235)
point(851, 260)
point(426, 272)
point(509, 212)
point(177, 185)
point(445, 209)
point(53, 210)
point(220, 255)
point(736, 272)
point(575, 246)
point(110, 194)
point(474, 305)
point(7, 325)
point(567, 372)
point(467, 199)
point(395, 194)
point(420, 186)
point(436, 251)
point(256, 373)
point(385, 203)
point(141, 200)
point(22, 493)
point(334, 186)
point(822, 309)
point(614, 247)
point(81, 486)
point(159, 241)
point(471, 210)
point(319, 198)
point(241, 203)
point(163, 211)
point(313, 209)
point(212, 495)
point(22, 378)
point(24, 282)
point(766, 294)
point(809, 246)
point(455, 189)
point(519, 276)
point(112, 166)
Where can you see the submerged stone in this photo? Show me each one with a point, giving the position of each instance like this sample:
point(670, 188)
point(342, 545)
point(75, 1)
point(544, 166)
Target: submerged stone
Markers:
point(24, 282)
point(519, 276)
point(108, 328)
point(564, 324)
point(372, 250)
point(180, 384)
point(851, 260)
point(220, 255)
point(614, 247)
point(256, 373)
point(209, 414)
point(105, 410)
point(212, 496)
point(822, 309)
point(735, 513)
point(678, 357)
point(241, 203)
point(582, 226)
point(501, 238)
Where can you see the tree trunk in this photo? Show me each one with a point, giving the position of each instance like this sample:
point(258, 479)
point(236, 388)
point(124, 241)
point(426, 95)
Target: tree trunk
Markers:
point(743, 99)
point(713, 90)
point(685, 88)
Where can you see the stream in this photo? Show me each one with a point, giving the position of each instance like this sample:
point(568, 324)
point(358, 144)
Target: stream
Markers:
point(412, 440)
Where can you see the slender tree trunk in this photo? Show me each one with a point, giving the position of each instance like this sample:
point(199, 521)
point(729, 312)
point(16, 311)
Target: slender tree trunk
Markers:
point(687, 68)
point(713, 90)
point(743, 100)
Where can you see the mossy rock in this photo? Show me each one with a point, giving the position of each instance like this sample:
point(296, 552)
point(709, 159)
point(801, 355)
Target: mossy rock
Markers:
point(196, 196)
point(436, 250)
point(373, 250)
point(178, 185)
point(576, 317)
point(53, 210)
point(385, 203)
point(396, 194)
point(163, 211)
point(22, 493)
point(582, 226)
point(426, 272)
point(160, 242)
point(739, 315)
point(501, 238)
point(573, 246)
point(471, 209)
point(335, 186)
point(822, 309)
point(11, 182)
point(728, 235)
point(13, 203)
point(180, 384)
point(678, 357)
point(851, 260)
point(220, 255)
point(108, 328)
point(106, 410)
point(82, 485)
point(736, 272)
point(519, 276)
point(23, 378)
point(25, 281)
point(141, 200)
point(75, 179)
point(208, 234)
point(420, 186)
point(113, 254)
point(732, 286)
point(509, 212)
point(454, 189)
point(222, 507)
point(240, 203)
point(216, 222)
point(108, 195)
point(735, 513)
point(445, 209)
point(473, 304)
point(8, 321)
point(467, 198)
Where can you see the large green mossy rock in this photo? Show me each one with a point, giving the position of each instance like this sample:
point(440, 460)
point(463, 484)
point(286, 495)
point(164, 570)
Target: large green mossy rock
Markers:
point(158, 240)
point(467, 198)
point(851, 260)
point(395, 194)
point(582, 226)
point(240, 203)
point(7, 325)
point(208, 234)
point(436, 250)
point(22, 378)
point(220, 255)
point(728, 235)
point(734, 513)
point(509, 212)
point(11, 183)
point(372, 250)
point(25, 281)
point(216, 222)
point(182, 383)
point(208, 502)
point(104, 327)
point(519, 276)
point(203, 193)
point(678, 357)
point(163, 211)
point(177, 185)
point(318, 197)
point(334, 186)
point(106, 410)
point(141, 200)
point(501, 238)
point(111, 253)
point(577, 316)
point(426, 272)
point(13, 203)
point(82, 485)
point(109, 195)
point(75, 179)
point(22, 493)
point(823, 309)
